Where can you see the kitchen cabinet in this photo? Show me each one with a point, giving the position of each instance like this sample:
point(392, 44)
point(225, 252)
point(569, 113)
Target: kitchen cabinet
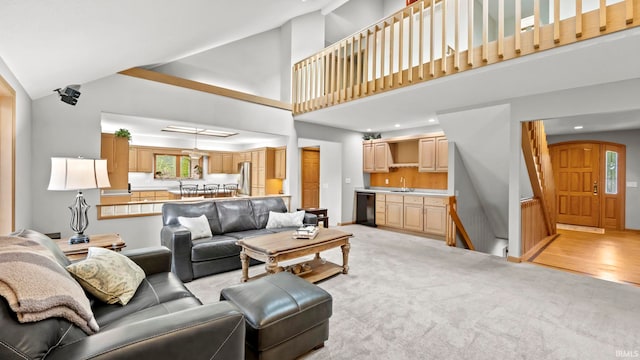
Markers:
point(151, 195)
point(215, 163)
point(423, 214)
point(221, 162)
point(280, 171)
point(140, 159)
point(435, 216)
point(394, 210)
point(381, 211)
point(375, 157)
point(413, 219)
point(227, 164)
point(433, 154)
point(116, 151)
point(262, 169)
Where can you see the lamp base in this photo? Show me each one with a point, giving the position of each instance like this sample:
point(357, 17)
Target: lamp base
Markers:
point(78, 239)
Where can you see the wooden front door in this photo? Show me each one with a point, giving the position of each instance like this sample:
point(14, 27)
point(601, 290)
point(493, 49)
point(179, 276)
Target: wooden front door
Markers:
point(586, 193)
point(310, 177)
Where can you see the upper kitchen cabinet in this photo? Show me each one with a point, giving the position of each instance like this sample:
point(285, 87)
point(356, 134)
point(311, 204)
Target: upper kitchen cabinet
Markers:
point(116, 151)
point(280, 163)
point(375, 157)
point(221, 162)
point(140, 159)
point(433, 154)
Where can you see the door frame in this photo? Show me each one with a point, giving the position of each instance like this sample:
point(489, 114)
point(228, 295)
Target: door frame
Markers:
point(7, 157)
point(622, 175)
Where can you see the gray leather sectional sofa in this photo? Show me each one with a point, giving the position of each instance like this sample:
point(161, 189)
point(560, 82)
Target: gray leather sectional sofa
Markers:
point(160, 319)
point(229, 220)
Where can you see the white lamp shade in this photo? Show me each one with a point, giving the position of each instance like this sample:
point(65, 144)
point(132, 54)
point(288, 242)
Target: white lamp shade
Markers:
point(78, 174)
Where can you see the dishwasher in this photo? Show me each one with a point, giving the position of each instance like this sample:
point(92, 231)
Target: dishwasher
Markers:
point(366, 208)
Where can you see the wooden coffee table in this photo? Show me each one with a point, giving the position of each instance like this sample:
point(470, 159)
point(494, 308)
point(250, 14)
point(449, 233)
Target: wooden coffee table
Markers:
point(274, 248)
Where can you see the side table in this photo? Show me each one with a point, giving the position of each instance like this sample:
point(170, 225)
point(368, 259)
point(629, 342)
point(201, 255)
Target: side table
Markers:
point(321, 213)
point(79, 251)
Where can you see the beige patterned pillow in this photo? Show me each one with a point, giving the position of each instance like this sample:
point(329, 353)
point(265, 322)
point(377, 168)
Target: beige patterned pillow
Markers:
point(109, 276)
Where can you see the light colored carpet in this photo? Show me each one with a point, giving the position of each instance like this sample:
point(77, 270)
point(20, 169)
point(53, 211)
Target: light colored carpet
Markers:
point(408, 297)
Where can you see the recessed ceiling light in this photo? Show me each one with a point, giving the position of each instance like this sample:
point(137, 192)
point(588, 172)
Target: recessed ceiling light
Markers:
point(397, 125)
point(432, 120)
point(369, 129)
point(578, 127)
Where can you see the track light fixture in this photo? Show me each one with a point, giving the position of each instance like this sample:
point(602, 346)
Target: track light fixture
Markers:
point(69, 94)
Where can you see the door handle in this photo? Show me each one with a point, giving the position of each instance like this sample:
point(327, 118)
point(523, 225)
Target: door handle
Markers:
point(595, 188)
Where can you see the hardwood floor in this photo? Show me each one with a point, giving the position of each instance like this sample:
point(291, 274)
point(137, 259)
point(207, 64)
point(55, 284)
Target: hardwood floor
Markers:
point(613, 256)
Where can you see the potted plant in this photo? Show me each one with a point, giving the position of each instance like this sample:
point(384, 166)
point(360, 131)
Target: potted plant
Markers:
point(123, 133)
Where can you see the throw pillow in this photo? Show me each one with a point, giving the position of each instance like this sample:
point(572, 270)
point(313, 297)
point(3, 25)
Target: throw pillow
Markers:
point(108, 275)
point(199, 226)
point(279, 220)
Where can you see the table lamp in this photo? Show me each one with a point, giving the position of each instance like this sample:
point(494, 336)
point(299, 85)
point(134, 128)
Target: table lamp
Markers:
point(78, 174)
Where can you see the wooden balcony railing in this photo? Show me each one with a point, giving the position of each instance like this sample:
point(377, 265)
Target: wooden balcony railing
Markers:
point(430, 39)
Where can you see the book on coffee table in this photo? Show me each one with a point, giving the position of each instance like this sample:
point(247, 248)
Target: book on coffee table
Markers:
point(306, 232)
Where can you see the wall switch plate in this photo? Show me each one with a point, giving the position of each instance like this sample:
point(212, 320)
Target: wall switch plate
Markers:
point(632, 184)
point(325, 186)
point(347, 181)
point(386, 181)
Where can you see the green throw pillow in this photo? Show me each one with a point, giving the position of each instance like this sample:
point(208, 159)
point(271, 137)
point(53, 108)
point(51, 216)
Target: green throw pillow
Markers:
point(108, 275)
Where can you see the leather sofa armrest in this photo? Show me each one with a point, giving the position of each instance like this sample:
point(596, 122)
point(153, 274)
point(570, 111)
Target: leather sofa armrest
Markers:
point(212, 331)
point(152, 260)
point(178, 239)
point(310, 219)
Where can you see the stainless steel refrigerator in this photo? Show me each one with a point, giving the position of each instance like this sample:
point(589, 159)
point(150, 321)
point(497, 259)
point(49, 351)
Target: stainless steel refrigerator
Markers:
point(244, 178)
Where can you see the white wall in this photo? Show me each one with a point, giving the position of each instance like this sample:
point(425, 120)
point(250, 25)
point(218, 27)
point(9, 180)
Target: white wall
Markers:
point(347, 163)
point(630, 138)
point(63, 130)
point(330, 176)
point(250, 65)
point(23, 128)
point(352, 17)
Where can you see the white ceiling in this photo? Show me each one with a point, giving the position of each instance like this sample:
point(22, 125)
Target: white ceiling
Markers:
point(624, 120)
point(54, 43)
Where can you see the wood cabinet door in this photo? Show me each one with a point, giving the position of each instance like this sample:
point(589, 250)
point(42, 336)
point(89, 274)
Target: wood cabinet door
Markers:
point(254, 172)
point(435, 220)
point(367, 158)
point(133, 159)
point(394, 214)
point(215, 163)
point(380, 158)
point(107, 151)
point(227, 163)
point(427, 154)
point(442, 154)
point(413, 218)
point(144, 160)
point(281, 164)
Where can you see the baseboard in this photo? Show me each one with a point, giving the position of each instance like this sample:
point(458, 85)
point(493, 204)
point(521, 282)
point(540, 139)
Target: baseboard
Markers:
point(346, 223)
point(514, 259)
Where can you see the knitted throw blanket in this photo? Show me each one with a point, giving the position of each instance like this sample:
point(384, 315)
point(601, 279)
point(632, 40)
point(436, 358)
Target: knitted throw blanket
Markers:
point(37, 287)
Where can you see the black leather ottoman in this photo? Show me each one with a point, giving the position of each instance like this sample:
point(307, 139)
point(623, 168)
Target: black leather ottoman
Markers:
point(286, 316)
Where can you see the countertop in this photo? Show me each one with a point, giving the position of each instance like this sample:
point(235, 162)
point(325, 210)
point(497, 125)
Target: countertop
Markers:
point(390, 190)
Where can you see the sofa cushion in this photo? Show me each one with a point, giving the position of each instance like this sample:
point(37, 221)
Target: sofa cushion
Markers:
point(216, 247)
point(262, 207)
point(280, 220)
point(171, 211)
point(199, 226)
point(155, 289)
point(107, 275)
point(164, 308)
point(235, 215)
point(33, 340)
point(249, 233)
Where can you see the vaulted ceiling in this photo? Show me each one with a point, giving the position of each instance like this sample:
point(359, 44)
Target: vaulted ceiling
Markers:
point(54, 43)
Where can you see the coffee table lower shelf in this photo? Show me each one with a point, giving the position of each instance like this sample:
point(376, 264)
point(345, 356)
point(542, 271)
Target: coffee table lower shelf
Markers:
point(320, 269)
